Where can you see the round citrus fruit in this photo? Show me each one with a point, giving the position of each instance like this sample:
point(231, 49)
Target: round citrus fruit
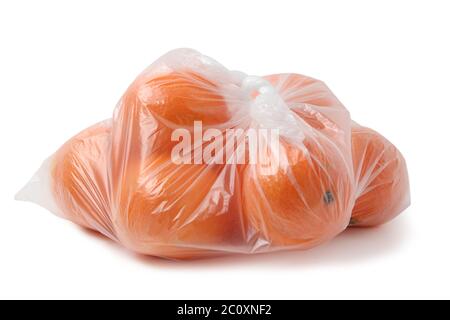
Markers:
point(182, 97)
point(179, 210)
point(304, 201)
point(80, 179)
point(382, 178)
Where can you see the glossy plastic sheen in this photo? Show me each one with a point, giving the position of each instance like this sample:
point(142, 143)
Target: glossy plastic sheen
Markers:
point(120, 177)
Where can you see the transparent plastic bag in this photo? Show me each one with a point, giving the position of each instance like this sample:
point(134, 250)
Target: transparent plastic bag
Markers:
point(199, 160)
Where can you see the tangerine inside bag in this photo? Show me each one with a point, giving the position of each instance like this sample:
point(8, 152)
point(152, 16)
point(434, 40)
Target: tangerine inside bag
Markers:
point(198, 160)
point(382, 178)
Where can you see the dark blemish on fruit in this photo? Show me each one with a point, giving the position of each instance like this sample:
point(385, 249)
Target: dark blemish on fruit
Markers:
point(328, 197)
point(353, 222)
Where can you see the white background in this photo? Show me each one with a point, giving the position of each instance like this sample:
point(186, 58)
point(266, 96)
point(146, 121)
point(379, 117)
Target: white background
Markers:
point(64, 65)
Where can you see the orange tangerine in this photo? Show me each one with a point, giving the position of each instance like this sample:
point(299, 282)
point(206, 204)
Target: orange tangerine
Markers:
point(176, 208)
point(382, 177)
point(80, 179)
point(305, 202)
